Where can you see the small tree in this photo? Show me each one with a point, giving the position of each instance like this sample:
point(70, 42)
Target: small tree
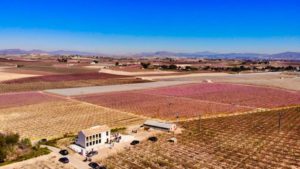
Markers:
point(12, 139)
point(172, 66)
point(117, 63)
point(3, 154)
point(25, 143)
point(145, 65)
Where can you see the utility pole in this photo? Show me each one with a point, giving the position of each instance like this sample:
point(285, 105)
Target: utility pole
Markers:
point(279, 121)
point(199, 122)
point(170, 107)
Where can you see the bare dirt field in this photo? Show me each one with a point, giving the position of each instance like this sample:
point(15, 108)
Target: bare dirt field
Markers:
point(44, 162)
point(55, 118)
point(270, 79)
point(24, 71)
point(41, 85)
point(4, 76)
point(291, 83)
point(65, 77)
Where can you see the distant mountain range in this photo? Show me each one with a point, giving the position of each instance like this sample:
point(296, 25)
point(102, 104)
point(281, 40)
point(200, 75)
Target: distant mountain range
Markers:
point(205, 54)
point(41, 52)
point(212, 55)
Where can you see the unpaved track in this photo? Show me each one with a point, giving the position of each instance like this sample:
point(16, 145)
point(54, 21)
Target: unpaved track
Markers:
point(119, 72)
point(113, 88)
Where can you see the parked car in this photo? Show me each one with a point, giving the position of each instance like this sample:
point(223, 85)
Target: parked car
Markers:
point(92, 153)
point(44, 140)
point(94, 165)
point(153, 139)
point(64, 152)
point(134, 142)
point(64, 160)
point(172, 140)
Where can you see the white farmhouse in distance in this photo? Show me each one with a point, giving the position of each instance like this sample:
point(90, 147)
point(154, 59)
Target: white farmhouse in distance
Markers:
point(93, 136)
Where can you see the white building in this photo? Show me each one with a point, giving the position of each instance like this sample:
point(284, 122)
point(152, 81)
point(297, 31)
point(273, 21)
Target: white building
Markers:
point(93, 136)
point(160, 125)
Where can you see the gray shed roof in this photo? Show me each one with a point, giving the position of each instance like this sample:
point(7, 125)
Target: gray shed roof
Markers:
point(159, 124)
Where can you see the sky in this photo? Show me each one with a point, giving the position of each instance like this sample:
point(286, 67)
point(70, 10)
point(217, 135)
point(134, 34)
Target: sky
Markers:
point(132, 26)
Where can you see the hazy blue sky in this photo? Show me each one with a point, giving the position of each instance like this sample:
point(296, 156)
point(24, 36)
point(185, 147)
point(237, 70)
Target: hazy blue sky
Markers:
point(128, 26)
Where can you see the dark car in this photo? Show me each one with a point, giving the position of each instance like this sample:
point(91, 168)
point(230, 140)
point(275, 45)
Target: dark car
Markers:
point(64, 160)
point(94, 165)
point(64, 152)
point(134, 142)
point(153, 139)
point(44, 140)
point(92, 153)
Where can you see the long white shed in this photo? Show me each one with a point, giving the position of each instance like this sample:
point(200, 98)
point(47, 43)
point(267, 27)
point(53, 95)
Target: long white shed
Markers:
point(160, 125)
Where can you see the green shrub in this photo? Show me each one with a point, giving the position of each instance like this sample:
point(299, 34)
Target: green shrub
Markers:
point(114, 130)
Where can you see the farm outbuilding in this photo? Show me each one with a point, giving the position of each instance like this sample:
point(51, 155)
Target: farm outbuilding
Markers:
point(160, 125)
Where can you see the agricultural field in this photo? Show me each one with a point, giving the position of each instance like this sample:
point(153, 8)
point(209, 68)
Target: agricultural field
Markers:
point(64, 77)
point(91, 90)
point(192, 100)
point(290, 81)
point(244, 95)
point(41, 85)
point(156, 106)
point(244, 141)
point(55, 118)
point(4, 76)
point(24, 98)
point(42, 75)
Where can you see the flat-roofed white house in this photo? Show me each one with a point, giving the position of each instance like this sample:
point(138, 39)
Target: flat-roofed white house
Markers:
point(160, 125)
point(93, 136)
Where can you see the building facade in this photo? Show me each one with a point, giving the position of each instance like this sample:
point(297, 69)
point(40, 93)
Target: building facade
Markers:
point(93, 136)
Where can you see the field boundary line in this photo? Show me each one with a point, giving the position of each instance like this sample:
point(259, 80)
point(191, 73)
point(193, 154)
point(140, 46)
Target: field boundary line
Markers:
point(258, 110)
point(95, 105)
point(197, 100)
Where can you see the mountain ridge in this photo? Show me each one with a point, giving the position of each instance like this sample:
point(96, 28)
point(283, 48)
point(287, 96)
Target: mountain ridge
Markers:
point(204, 54)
